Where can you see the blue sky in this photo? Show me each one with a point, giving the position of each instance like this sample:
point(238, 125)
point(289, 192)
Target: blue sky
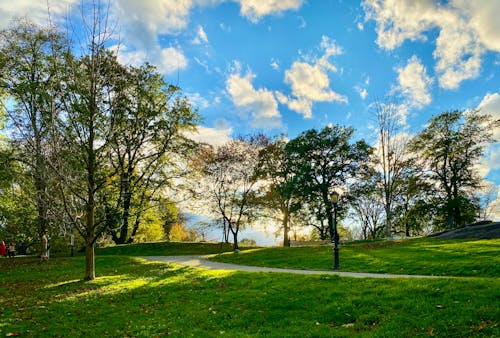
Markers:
point(284, 66)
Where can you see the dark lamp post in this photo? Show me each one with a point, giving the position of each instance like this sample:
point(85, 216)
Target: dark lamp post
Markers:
point(335, 239)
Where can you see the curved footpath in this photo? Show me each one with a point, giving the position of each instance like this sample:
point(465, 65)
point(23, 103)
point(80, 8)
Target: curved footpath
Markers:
point(203, 262)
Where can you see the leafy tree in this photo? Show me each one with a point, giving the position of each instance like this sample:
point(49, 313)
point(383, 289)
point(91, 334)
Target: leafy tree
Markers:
point(91, 83)
point(449, 147)
point(30, 58)
point(275, 168)
point(231, 170)
point(325, 161)
point(147, 126)
point(248, 242)
point(413, 204)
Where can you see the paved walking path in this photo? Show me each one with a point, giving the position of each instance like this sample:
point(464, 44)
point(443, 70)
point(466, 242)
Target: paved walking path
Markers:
point(203, 262)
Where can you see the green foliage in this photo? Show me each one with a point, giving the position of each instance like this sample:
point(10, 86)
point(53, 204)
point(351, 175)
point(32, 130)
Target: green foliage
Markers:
point(325, 161)
point(248, 242)
point(146, 144)
point(132, 297)
point(450, 146)
point(232, 172)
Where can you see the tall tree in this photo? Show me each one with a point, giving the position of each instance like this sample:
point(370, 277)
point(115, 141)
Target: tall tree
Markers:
point(231, 170)
point(91, 83)
point(325, 161)
point(449, 147)
point(391, 155)
point(30, 58)
point(275, 168)
point(148, 123)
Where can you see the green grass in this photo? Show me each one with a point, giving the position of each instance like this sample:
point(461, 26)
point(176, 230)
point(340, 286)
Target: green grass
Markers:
point(423, 256)
point(165, 249)
point(135, 298)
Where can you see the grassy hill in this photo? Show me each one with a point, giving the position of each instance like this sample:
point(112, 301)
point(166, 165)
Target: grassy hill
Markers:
point(132, 297)
point(420, 256)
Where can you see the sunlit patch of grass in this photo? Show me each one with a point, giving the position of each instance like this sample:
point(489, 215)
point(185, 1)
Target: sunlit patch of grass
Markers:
point(136, 298)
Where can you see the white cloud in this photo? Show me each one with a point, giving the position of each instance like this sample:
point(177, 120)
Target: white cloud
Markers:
point(167, 60)
point(197, 100)
point(201, 36)
point(414, 84)
point(494, 208)
point(491, 105)
point(490, 160)
point(458, 54)
point(151, 18)
point(261, 103)
point(171, 60)
point(275, 64)
point(214, 136)
point(467, 29)
point(37, 11)
point(363, 93)
point(483, 18)
point(254, 10)
point(309, 80)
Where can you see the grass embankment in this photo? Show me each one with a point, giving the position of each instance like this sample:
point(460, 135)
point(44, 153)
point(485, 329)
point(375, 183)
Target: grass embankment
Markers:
point(422, 256)
point(135, 298)
point(166, 249)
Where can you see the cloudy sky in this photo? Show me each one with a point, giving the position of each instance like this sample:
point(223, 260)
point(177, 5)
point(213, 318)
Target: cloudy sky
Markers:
point(284, 66)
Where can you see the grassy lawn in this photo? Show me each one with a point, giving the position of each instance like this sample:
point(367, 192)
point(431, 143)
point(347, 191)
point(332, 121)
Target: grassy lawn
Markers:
point(424, 256)
point(166, 249)
point(135, 298)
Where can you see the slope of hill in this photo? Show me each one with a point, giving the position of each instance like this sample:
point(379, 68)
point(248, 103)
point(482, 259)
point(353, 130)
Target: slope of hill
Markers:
point(483, 230)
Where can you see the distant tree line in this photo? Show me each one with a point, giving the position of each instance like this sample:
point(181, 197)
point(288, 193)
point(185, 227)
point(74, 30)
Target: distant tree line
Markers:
point(403, 186)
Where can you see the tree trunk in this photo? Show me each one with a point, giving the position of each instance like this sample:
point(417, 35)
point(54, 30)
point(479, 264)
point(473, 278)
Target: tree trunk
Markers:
point(388, 216)
point(89, 261)
point(126, 211)
point(286, 229)
point(235, 237)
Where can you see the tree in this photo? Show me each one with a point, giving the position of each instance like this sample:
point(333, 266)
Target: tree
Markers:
point(367, 206)
point(30, 64)
point(326, 161)
point(275, 168)
point(231, 170)
point(147, 127)
point(449, 147)
point(391, 156)
point(413, 203)
point(91, 83)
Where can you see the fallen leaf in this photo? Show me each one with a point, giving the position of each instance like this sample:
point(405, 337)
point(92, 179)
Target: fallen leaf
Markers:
point(430, 331)
point(439, 306)
point(13, 334)
point(331, 324)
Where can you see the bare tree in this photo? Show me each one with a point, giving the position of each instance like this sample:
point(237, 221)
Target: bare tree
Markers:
point(85, 127)
point(390, 155)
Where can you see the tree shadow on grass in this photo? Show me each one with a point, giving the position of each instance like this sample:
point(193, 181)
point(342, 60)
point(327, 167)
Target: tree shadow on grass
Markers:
point(134, 297)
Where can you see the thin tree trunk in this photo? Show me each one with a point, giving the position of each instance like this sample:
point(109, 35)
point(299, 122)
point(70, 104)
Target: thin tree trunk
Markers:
point(89, 244)
point(235, 238)
point(286, 229)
